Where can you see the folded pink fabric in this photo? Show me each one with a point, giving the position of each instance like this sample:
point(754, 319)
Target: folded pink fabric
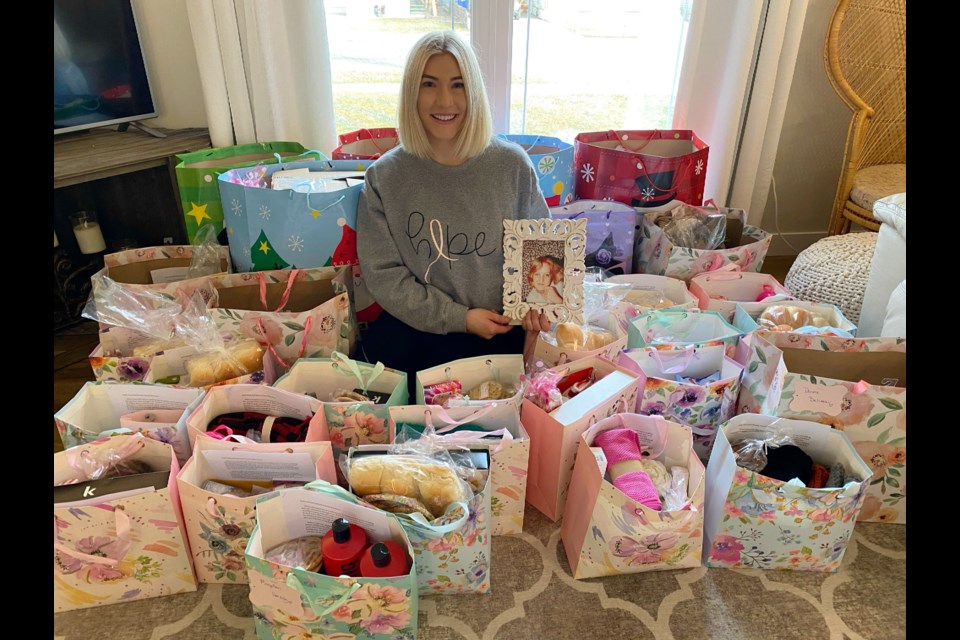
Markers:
point(638, 486)
point(619, 445)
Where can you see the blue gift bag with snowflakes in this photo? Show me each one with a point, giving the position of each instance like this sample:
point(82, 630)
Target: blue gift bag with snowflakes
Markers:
point(279, 228)
point(553, 159)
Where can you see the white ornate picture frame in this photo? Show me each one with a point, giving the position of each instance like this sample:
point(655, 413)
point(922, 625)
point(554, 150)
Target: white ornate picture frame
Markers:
point(543, 268)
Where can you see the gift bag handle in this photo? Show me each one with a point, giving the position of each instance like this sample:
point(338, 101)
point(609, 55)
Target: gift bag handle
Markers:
point(623, 137)
point(294, 274)
point(372, 139)
point(307, 325)
point(450, 423)
point(677, 175)
point(122, 522)
point(280, 161)
point(687, 357)
point(342, 364)
point(293, 581)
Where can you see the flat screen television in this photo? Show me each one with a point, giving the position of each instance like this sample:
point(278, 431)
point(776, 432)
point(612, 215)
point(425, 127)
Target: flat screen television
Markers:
point(99, 76)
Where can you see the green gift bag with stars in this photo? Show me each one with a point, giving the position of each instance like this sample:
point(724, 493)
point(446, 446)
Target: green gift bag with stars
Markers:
point(197, 176)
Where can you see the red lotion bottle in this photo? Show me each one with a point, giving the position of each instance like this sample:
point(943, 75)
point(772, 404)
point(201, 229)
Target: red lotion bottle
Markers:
point(384, 560)
point(342, 548)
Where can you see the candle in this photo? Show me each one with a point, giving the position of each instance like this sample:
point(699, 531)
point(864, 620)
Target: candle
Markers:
point(89, 237)
point(56, 242)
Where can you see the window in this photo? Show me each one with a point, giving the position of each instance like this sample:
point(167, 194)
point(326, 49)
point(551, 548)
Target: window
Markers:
point(575, 66)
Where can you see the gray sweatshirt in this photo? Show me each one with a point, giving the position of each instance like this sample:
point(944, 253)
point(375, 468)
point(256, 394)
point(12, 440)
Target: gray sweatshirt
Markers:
point(430, 236)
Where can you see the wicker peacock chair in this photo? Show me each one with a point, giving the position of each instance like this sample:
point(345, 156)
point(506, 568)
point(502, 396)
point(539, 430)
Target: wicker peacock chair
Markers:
point(865, 55)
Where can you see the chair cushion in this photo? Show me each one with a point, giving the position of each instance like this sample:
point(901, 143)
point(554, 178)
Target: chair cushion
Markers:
point(892, 210)
point(872, 183)
point(833, 270)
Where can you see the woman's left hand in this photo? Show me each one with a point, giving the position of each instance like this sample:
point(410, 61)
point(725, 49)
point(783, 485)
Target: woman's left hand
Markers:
point(536, 321)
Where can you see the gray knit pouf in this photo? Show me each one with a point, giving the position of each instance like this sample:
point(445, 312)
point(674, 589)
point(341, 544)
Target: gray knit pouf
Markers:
point(834, 270)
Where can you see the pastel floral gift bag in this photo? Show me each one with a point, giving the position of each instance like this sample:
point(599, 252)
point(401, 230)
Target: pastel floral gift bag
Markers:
point(350, 421)
point(605, 532)
point(219, 525)
point(291, 603)
point(753, 521)
point(855, 385)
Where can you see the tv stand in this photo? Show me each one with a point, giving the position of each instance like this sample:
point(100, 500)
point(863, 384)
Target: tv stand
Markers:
point(156, 133)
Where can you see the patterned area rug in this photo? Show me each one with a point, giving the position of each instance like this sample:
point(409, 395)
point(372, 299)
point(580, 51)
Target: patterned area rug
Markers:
point(534, 597)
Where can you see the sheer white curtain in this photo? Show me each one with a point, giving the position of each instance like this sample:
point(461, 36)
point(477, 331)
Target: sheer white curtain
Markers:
point(265, 71)
point(737, 70)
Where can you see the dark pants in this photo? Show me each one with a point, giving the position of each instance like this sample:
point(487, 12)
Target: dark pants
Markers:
point(400, 346)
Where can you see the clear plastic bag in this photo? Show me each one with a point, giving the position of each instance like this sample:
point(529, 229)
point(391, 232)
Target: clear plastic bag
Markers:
point(207, 251)
point(182, 320)
point(751, 454)
point(417, 475)
point(694, 228)
point(599, 300)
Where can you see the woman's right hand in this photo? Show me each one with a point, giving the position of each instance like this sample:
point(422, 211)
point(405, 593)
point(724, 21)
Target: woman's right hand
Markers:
point(486, 323)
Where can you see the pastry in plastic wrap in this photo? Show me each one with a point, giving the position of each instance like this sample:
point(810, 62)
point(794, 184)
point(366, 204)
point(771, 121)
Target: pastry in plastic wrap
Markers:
point(569, 336)
point(299, 552)
point(785, 318)
point(397, 504)
point(215, 366)
point(435, 485)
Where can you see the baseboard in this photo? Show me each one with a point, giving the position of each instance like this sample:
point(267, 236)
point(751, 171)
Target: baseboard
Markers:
point(800, 241)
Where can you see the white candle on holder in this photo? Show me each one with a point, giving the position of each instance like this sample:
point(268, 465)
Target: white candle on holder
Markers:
point(87, 230)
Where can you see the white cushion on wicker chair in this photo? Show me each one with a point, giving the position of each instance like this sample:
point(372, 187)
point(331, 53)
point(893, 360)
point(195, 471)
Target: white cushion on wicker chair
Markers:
point(833, 270)
point(872, 183)
point(892, 210)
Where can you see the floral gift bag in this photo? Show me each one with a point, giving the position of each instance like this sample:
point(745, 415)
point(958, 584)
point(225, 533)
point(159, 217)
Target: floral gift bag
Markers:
point(753, 521)
point(476, 374)
point(304, 421)
point(350, 421)
point(297, 603)
point(496, 423)
point(104, 408)
point(744, 246)
point(453, 550)
point(295, 313)
point(696, 387)
point(671, 330)
point(117, 538)
point(219, 522)
point(605, 532)
point(856, 385)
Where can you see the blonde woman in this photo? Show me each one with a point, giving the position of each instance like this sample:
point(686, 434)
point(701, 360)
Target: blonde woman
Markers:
point(430, 218)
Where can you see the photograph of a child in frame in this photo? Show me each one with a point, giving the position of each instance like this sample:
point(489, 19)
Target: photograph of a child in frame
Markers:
point(543, 269)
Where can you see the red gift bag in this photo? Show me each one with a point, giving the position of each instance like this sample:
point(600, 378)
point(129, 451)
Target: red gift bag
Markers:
point(641, 168)
point(365, 144)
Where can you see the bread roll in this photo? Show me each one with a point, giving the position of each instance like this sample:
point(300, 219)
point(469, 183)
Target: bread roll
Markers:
point(569, 336)
point(597, 338)
point(794, 317)
point(433, 484)
point(239, 359)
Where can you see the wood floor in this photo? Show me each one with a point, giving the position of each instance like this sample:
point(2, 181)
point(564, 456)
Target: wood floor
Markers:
point(72, 345)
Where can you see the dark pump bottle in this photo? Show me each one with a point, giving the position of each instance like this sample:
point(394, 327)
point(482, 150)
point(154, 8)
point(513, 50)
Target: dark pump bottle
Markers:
point(384, 560)
point(342, 547)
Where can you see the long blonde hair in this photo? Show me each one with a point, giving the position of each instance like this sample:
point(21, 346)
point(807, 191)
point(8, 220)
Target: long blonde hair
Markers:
point(474, 135)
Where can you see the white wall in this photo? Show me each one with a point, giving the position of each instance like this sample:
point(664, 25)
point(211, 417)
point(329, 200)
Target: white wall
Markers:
point(171, 63)
point(808, 161)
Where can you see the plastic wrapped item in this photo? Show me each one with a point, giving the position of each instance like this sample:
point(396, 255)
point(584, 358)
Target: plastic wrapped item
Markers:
point(799, 320)
point(206, 258)
point(697, 228)
point(542, 389)
point(599, 300)
point(299, 552)
point(104, 462)
point(674, 496)
point(182, 320)
point(432, 482)
point(752, 453)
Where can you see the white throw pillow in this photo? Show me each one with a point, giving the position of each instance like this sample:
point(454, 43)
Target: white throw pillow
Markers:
point(895, 323)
